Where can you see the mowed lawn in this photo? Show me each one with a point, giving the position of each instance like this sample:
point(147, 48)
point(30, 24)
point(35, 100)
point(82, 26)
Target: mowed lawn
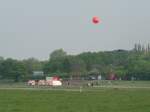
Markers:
point(104, 100)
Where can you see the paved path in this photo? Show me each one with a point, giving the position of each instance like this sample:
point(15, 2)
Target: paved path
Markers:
point(95, 88)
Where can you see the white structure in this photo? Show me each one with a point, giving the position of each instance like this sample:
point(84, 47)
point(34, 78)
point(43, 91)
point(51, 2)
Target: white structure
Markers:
point(56, 83)
point(41, 82)
point(31, 83)
point(99, 77)
point(50, 81)
point(53, 81)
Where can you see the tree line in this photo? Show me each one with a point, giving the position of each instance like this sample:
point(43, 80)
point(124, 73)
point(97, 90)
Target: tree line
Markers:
point(125, 64)
point(19, 70)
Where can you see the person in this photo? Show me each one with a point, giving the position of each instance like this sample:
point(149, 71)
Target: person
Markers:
point(92, 84)
point(68, 83)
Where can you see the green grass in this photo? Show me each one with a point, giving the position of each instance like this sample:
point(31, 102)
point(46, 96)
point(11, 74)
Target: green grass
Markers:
point(102, 100)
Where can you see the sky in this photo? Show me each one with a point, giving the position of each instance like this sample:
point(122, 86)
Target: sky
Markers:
point(35, 28)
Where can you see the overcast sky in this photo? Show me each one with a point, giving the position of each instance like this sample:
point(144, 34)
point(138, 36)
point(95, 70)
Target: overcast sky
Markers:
point(34, 28)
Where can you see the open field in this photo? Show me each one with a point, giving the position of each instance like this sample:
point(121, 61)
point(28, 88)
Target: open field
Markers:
point(101, 100)
point(114, 96)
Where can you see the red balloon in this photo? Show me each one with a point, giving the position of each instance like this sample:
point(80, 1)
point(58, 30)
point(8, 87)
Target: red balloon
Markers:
point(96, 20)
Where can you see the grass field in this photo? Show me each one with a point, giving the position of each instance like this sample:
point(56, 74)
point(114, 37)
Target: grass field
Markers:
point(101, 100)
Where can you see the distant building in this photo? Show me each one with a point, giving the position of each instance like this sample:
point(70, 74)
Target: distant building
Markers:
point(38, 73)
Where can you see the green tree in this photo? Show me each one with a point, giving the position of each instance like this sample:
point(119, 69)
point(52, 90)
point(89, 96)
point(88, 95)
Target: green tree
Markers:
point(33, 64)
point(57, 54)
point(13, 69)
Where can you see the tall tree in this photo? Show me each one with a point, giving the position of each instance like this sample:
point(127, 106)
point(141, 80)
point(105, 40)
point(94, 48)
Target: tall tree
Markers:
point(57, 54)
point(13, 69)
point(33, 64)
